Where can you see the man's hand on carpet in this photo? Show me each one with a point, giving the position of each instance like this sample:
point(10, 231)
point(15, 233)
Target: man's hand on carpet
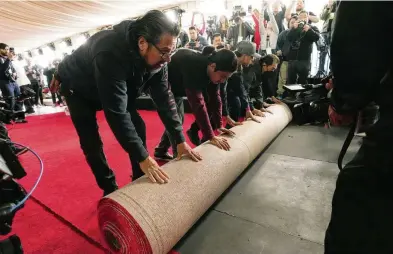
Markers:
point(184, 149)
point(257, 112)
point(250, 115)
point(220, 142)
point(232, 122)
point(277, 101)
point(266, 110)
point(226, 131)
point(156, 174)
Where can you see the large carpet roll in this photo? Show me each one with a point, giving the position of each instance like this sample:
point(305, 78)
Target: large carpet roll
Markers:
point(150, 218)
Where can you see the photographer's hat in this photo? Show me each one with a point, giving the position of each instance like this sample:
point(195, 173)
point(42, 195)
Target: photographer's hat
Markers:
point(247, 48)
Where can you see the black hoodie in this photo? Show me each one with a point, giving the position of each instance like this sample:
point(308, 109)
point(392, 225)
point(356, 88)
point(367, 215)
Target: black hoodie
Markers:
point(108, 71)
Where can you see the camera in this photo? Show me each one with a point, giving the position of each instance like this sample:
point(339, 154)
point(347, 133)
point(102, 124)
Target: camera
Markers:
point(302, 23)
point(12, 196)
point(238, 11)
point(309, 105)
point(6, 115)
point(192, 44)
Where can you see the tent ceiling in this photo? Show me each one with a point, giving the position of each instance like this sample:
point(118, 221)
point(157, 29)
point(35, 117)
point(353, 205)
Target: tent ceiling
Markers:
point(30, 24)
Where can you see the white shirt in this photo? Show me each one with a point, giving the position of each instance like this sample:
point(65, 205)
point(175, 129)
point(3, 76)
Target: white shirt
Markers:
point(21, 74)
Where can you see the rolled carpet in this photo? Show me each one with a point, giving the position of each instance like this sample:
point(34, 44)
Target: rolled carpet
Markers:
point(144, 218)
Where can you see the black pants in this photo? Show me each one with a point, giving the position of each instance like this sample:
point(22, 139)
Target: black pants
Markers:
point(54, 98)
point(38, 93)
point(195, 127)
point(83, 115)
point(298, 72)
point(324, 52)
point(235, 107)
point(28, 102)
point(166, 140)
point(11, 91)
point(362, 208)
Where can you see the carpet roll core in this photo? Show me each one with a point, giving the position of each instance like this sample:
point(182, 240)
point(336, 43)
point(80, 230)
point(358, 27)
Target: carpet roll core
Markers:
point(145, 218)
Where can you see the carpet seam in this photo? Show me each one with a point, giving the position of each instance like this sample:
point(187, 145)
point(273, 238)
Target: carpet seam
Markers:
point(69, 224)
point(267, 226)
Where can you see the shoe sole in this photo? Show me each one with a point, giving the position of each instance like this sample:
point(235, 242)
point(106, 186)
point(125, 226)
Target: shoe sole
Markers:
point(162, 159)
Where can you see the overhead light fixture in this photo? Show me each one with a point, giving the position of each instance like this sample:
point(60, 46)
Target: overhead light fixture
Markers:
point(68, 42)
point(52, 46)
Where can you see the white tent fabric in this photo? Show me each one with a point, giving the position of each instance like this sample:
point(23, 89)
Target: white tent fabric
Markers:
point(30, 24)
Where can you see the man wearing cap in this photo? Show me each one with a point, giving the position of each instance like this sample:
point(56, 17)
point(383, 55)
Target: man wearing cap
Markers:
point(191, 74)
point(237, 94)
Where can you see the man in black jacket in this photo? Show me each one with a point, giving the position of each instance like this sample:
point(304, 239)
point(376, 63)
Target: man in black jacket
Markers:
point(109, 72)
point(8, 77)
point(301, 36)
point(283, 49)
point(362, 208)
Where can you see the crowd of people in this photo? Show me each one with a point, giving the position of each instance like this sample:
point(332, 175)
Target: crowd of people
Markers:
point(16, 79)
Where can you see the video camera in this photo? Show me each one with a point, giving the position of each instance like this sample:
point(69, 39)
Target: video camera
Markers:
point(12, 196)
point(302, 23)
point(238, 11)
point(309, 103)
point(6, 116)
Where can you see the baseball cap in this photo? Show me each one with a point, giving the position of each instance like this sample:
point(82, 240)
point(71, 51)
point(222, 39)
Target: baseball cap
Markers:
point(247, 48)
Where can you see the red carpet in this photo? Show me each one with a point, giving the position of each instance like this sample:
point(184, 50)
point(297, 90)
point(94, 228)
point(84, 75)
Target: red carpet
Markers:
point(41, 233)
point(68, 187)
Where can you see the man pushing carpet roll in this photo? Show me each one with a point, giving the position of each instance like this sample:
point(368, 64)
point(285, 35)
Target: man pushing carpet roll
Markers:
point(108, 73)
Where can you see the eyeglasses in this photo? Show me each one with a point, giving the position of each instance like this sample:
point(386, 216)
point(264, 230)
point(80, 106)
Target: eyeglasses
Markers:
point(165, 56)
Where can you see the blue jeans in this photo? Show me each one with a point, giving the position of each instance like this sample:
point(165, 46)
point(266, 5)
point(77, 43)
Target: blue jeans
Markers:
point(11, 91)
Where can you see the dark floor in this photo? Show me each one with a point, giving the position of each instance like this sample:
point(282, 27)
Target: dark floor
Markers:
point(282, 204)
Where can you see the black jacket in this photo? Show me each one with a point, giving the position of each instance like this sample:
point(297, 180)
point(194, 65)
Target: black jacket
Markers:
point(284, 44)
point(306, 40)
point(362, 75)
point(108, 69)
point(235, 87)
point(7, 71)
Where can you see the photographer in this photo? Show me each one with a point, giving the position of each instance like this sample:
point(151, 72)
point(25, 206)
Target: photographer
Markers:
point(33, 72)
point(23, 83)
point(301, 36)
point(327, 16)
point(197, 42)
point(49, 73)
point(283, 49)
point(8, 76)
point(238, 32)
point(362, 206)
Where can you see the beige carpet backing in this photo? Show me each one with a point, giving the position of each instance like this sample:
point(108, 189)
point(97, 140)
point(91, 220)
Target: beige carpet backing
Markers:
point(150, 218)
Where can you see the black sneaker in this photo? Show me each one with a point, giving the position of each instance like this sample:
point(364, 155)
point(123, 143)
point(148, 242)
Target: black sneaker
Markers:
point(163, 156)
point(30, 111)
point(194, 138)
point(21, 121)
